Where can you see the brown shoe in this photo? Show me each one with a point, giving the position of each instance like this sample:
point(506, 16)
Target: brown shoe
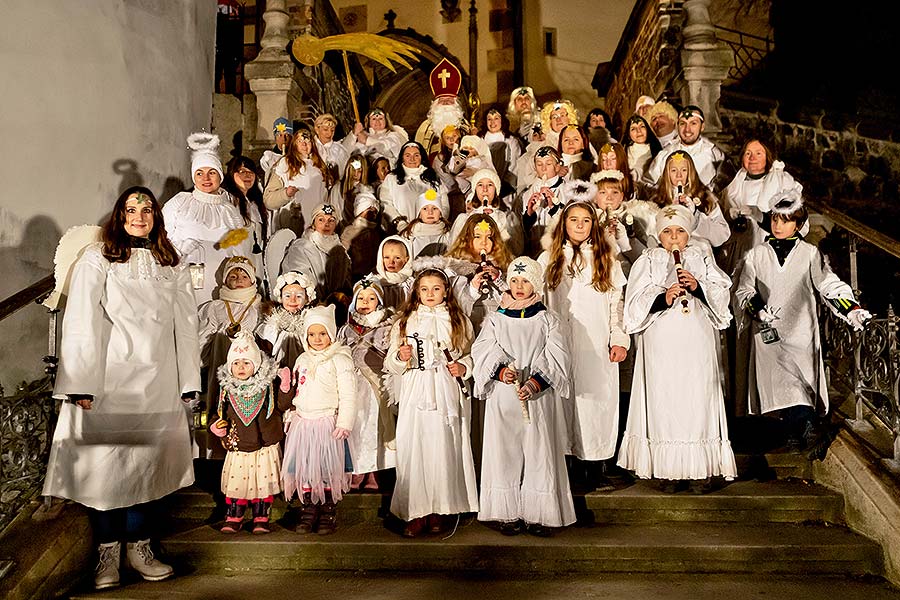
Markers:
point(435, 523)
point(415, 527)
point(327, 516)
point(309, 515)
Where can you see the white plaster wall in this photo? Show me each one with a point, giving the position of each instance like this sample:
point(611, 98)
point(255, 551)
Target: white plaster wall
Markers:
point(98, 95)
point(588, 32)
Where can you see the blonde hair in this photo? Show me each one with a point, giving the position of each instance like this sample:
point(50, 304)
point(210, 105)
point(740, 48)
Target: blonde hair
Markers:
point(601, 269)
point(462, 247)
point(549, 107)
point(694, 188)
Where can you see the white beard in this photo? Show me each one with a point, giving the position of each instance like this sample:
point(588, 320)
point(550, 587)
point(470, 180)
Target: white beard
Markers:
point(442, 115)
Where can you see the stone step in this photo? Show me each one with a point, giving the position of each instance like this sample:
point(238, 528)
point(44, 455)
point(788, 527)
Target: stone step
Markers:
point(423, 586)
point(739, 501)
point(641, 548)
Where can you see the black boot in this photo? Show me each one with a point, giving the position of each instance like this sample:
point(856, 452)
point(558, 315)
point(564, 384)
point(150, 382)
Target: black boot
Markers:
point(309, 515)
point(328, 516)
point(234, 513)
point(261, 516)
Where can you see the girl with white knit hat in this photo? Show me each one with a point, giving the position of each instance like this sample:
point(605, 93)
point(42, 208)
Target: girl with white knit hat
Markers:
point(676, 430)
point(316, 461)
point(205, 224)
point(521, 370)
point(429, 232)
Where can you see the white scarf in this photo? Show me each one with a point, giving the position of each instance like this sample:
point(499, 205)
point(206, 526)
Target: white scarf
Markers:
point(371, 320)
point(325, 243)
point(493, 138)
point(241, 295)
point(775, 181)
point(427, 229)
point(415, 172)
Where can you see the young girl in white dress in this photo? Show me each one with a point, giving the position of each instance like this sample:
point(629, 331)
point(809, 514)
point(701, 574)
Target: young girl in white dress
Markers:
point(522, 371)
point(429, 352)
point(584, 287)
point(676, 428)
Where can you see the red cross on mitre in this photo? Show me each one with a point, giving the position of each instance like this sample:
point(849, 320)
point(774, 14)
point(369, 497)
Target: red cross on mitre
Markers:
point(445, 79)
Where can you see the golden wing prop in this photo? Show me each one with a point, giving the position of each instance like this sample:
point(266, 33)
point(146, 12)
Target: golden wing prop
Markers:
point(310, 51)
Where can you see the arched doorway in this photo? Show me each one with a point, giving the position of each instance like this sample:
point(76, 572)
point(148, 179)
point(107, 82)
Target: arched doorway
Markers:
point(406, 94)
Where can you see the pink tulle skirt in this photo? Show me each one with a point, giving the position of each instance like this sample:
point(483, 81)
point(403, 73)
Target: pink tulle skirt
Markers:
point(313, 460)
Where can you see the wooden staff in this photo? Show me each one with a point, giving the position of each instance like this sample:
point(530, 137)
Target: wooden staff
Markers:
point(350, 86)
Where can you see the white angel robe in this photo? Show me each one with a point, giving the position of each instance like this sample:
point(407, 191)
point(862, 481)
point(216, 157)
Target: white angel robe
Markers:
point(386, 142)
point(373, 438)
point(311, 192)
point(705, 154)
point(129, 339)
point(592, 322)
point(321, 257)
point(400, 200)
point(195, 221)
point(435, 469)
point(789, 372)
point(523, 471)
point(676, 425)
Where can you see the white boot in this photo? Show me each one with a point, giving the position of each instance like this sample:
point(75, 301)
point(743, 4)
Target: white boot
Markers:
point(106, 575)
point(139, 557)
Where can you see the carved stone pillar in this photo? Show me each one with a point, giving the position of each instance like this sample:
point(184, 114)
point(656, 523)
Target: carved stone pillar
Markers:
point(273, 79)
point(705, 63)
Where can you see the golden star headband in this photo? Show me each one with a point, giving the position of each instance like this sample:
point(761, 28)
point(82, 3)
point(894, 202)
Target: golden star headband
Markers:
point(483, 226)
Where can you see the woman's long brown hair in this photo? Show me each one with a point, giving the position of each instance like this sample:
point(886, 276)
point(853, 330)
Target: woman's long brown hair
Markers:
point(601, 269)
point(117, 242)
point(459, 333)
point(295, 162)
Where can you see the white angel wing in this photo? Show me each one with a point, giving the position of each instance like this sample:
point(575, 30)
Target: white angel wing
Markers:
point(275, 250)
point(70, 247)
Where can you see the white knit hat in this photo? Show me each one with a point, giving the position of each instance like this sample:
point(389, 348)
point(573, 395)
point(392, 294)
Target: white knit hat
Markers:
point(429, 198)
point(364, 200)
point(367, 283)
point(675, 214)
point(486, 174)
point(528, 268)
point(320, 315)
point(205, 152)
point(244, 347)
point(300, 279)
point(323, 209)
point(473, 141)
point(239, 262)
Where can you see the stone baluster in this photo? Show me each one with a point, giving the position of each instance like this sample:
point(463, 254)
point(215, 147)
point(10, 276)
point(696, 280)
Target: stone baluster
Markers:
point(705, 63)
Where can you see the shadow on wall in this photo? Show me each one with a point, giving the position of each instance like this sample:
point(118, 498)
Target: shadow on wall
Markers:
point(128, 170)
point(23, 336)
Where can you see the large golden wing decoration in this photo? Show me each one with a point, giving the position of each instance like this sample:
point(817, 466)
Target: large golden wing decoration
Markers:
point(310, 50)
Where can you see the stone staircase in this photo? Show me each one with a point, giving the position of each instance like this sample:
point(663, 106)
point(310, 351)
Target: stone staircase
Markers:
point(785, 527)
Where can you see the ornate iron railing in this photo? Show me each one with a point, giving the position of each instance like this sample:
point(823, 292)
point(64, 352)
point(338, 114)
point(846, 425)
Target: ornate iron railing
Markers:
point(749, 50)
point(867, 362)
point(27, 418)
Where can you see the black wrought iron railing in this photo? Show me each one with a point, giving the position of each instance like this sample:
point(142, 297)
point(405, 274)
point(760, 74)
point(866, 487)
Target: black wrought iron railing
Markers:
point(749, 50)
point(27, 416)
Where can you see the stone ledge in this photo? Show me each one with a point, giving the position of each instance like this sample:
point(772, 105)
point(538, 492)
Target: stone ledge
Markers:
point(50, 556)
point(871, 498)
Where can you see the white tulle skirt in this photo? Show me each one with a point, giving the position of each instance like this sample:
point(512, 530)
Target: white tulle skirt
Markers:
point(313, 460)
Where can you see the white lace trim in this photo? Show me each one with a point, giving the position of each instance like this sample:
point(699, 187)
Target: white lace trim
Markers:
point(214, 211)
point(142, 266)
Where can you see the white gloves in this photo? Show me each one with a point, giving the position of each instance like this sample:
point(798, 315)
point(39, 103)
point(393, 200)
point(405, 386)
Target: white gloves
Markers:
point(858, 317)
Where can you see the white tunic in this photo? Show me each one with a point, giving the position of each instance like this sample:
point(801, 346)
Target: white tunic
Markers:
point(401, 200)
point(523, 473)
point(129, 339)
point(789, 372)
point(386, 142)
point(435, 469)
point(676, 425)
point(704, 153)
point(592, 323)
point(321, 257)
point(195, 221)
point(311, 192)
point(334, 153)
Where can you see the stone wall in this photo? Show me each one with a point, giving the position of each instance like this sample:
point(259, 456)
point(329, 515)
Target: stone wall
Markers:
point(649, 59)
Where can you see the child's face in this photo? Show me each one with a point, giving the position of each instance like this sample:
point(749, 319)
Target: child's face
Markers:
point(608, 161)
point(578, 225)
point(394, 257)
point(382, 168)
point(485, 189)
point(494, 122)
point(317, 337)
point(242, 369)
point(520, 288)
point(673, 236)
point(482, 240)
point(238, 279)
point(293, 297)
point(678, 172)
point(783, 229)
point(546, 167)
point(366, 302)
point(609, 197)
point(430, 214)
point(431, 290)
point(325, 224)
point(450, 137)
